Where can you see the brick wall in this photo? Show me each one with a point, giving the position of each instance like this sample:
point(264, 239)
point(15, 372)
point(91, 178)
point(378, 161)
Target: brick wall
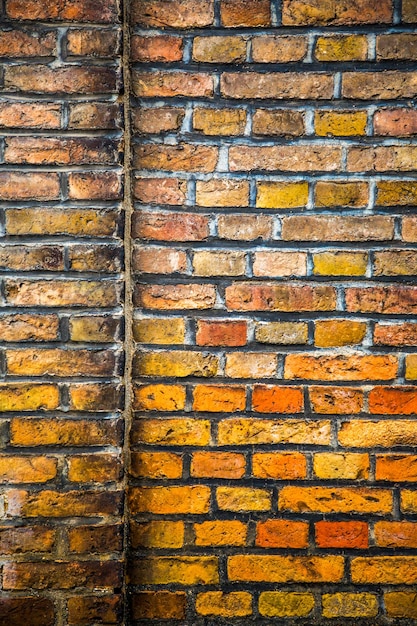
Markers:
point(269, 363)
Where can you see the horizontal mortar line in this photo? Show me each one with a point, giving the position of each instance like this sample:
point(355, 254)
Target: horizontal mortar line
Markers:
point(298, 66)
point(61, 133)
point(258, 141)
point(211, 30)
point(215, 245)
point(244, 173)
point(271, 104)
point(25, 168)
point(64, 240)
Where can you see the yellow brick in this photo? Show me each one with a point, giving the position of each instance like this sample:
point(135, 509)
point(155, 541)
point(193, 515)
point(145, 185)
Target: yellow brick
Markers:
point(340, 123)
point(159, 330)
point(340, 263)
point(285, 604)
point(219, 49)
point(220, 533)
point(350, 605)
point(243, 499)
point(212, 263)
point(331, 465)
point(159, 398)
point(276, 195)
point(173, 432)
point(342, 48)
point(282, 569)
point(176, 363)
point(185, 570)
point(333, 194)
point(219, 121)
point(411, 367)
point(23, 397)
point(157, 534)
point(234, 604)
point(170, 500)
point(330, 333)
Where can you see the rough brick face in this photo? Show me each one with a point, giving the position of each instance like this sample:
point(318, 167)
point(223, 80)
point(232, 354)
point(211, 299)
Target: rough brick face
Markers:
point(247, 455)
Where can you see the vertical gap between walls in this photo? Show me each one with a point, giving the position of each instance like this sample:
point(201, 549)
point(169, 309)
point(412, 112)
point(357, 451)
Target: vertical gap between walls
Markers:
point(128, 285)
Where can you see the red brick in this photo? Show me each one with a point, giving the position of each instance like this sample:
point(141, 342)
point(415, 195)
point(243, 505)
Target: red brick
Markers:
point(167, 14)
point(76, 10)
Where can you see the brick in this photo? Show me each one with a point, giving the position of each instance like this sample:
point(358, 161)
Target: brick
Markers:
point(266, 49)
point(222, 193)
point(396, 468)
point(27, 327)
point(90, 397)
point(32, 610)
point(98, 468)
point(408, 502)
point(385, 300)
point(340, 124)
point(147, 260)
point(275, 195)
point(169, 500)
point(278, 122)
point(342, 48)
point(402, 46)
point(172, 432)
point(159, 398)
point(155, 465)
point(277, 569)
point(87, 539)
point(63, 575)
point(159, 605)
point(181, 157)
point(285, 604)
point(241, 227)
point(408, 11)
point(26, 539)
point(329, 333)
point(383, 434)
point(243, 499)
point(219, 121)
point(250, 365)
point(94, 329)
point(219, 398)
point(335, 500)
point(94, 115)
point(280, 533)
point(410, 367)
point(285, 333)
point(50, 503)
point(334, 400)
point(279, 465)
point(29, 186)
point(284, 158)
point(354, 367)
point(17, 43)
point(254, 296)
point(63, 432)
point(325, 228)
point(163, 84)
point(400, 604)
point(341, 466)
point(171, 226)
point(30, 469)
point(180, 570)
point(220, 333)
point(381, 159)
point(220, 533)
point(95, 186)
point(159, 330)
point(219, 49)
point(69, 80)
point(271, 263)
point(217, 465)
point(157, 534)
point(314, 12)
point(175, 363)
point(220, 263)
point(332, 263)
point(234, 604)
point(234, 13)
point(27, 258)
point(92, 42)
point(391, 193)
point(55, 362)
point(395, 334)
point(28, 397)
point(157, 121)
point(30, 115)
point(163, 48)
point(83, 223)
point(409, 229)
point(74, 10)
point(388, 85)
point(341, 535)
point(244, 431)
point(395, 262)
point(176, 297)
point(341, 194)
point(392, 570)
point(103, 610)
point(350, 605)
point(300, 86)
point(40, 151)
point(165, 14)
point(277, 399)
point(395, 122)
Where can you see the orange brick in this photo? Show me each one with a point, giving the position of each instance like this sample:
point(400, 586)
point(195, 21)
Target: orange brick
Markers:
point(159, 398)
point(335, 500)
point(396, 534)
point(221, 533)
point(285, 569)
point(219, 399)
point(217, 465)
point(354, 367)
point(396, 468)
point(352, 534)
point(221, 333)
point(279, 465)
point(169, 500)
point(234, 604)
point(156, 465)
point(157, 534)
point(336, 400)
point(243, 499)
point(276, 399)
point(279, 533)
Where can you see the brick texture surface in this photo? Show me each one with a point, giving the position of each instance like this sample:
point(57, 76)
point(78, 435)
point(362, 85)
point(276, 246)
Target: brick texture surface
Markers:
point(263, 468)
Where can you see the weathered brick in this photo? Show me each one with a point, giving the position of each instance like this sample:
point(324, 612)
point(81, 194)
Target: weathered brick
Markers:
point(285, 333)
point(29, 186)
point(276, 297)
point(157, 534)
point(401, 603)
point(32, 610)
point(28, 397)
point(250, 365)
point(76, 10)
point(274, 195)
point(222, 193)
point(401, 334)
point(83, 222)
point(382, 434)
point(343, 194)
point(387, 85)
point(334, 400)
point(220, 263)
point(278, 122)
point(395, 122)
point(389, 299)
point(244, 431)
point(18, 43)
point(176, 297)
point(402, 46)
point(312, 12)
point(285, 604)
point(342, 48)
point(92, 42)
point(64, 432)
point(325, 228)
point(234, 13)
point(179, 570)
point(171, 432)
point(331, 333)
point(217, 465)
point(279, 465)
point(277, 399)
point(332, 263)
point(220, 533)
point(163, 84)
point(169, 500)
point(280, 533)
point(241, 227)
point(243, 499)
point(159, 605)
point(219, 121)
point(159, 330)
point(105, 609)
point(221, 333)
point(182, 157)
point(272, 86)
point(349, 534)
point(284, 158)
point(335, 500)
point(234, 604)
point(171, 226)
point(157, 121)
point(56, 504)
point(281, 569)
point(329, 367)
point(163, 48)
point(155, 465)
point(219, 398)
point(384, 570)
point(94, 115)
point(65, 80)
point(63, 575)
point(266, 49)
point(350, 605)
point(98, 468)
point(87, 539)
point(341, 466)
point(166, 14)
point(219, 49)
point(30, 115)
